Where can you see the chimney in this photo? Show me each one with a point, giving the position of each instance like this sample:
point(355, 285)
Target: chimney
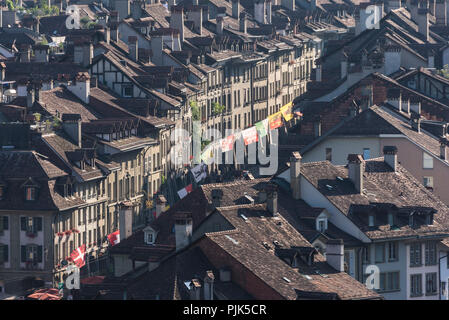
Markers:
point(114, 31)
point(133, 47)
point(394, 4)
point(196, 15)
point(272, 200)
point(83, 54)
point(392, 59)
point(136, 9)
point(441, 12)
point(195, 289)
point(288, 4)
point(125, 220)
point(25, 53)
point(107, 35)
point(242, 22)
point(41, 53)
point(269, 11)
point(81, 86)
point(335, 250)
point(71, 124)
point(391, 157)
point(260, 11)
point(236, 9)
point(123, 8)
point(423, 22)
point(219, 25)
point(156, 48)
point(209, 285)
point(161, 203)
point(355, 171)
point(30, 97)
point(443, 149)
point(295, 175)
point(205, 13)
point(416, 122)
point(177, 21)
point(183, 229)
point(217, 194)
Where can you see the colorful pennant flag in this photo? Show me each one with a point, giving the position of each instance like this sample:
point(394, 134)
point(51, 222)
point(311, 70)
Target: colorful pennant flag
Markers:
point(185, 191)
point(227, 144)
point(250, 135)
point(275, 120)
point(199, 172)
point(262, 128)
point(287, 111)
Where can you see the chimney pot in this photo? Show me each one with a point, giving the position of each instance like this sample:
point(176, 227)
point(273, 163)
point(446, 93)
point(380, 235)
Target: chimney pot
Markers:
point(391, 156)
point(335, 254)
point(355, 171)
point(295, 175)
point(443, 149)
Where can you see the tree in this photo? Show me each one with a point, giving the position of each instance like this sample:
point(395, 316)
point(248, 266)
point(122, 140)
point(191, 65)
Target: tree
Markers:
point(445, 71)
point(217, 108)
point(195, 110)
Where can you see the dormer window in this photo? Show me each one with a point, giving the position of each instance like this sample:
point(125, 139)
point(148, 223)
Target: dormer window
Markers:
point(321, 221)
point(149, 235)
point(322, 225)
point(371, 220)
point(30, 193)
point(390, 219)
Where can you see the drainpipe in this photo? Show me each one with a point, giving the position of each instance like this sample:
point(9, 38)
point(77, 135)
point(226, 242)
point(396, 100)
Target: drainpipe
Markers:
point(439, 275)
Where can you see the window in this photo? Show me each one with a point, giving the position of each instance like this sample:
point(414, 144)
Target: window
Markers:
point(428, 182)
point(31, 253)
point(329, 154)
point(366, 153)
point(30, 193)
point(4, 252)
point(389, 281)
point(390, 219)
point(431, 283)
point(321, 225)
point(4, 224)
point(366, 255)
point(392, 251)
point(371, 220)
point(415, 255)
point(427, 161)
point(415, 285)
point(30, 224)
point(128, 91)
point(380, 253)
point(430, 253)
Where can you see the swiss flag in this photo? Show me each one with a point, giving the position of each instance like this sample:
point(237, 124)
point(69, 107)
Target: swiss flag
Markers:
point(114, 237)
point(78, 256)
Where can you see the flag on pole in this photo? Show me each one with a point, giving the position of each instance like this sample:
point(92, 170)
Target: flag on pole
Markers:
point(199, 172)
point(227, 144)
point(114, 238)
point(275, 120)
point(262, 128)
point(185, 191)
point(78, 256)
point(250, 135)
point(287, 111)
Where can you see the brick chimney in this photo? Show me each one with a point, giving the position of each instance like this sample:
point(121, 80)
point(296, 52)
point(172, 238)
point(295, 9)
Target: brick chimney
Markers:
point(391, 157)
point(183, 229)
point(355, 171)
point(125, 220)
point(71, 124)
point(295, 175)
point(133, 47)
point(272, 200)
point(335, 251)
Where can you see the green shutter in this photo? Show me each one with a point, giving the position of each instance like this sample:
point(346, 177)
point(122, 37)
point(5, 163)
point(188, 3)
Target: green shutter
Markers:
point(23, 223)
point(23, 255)
point(39, 253)
point(5, 223)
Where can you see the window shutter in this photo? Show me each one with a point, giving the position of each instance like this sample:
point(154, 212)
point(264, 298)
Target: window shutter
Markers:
point(23, 255)
point(5, 223)
point(5, 253)
point(39, 253)
point(2, 249)
point(23, 223)
point(38, 222)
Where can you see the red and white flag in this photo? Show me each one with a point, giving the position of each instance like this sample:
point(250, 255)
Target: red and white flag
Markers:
point(114, 238)
point(78, 256)
point(185, 191)
point(227, 144)
point(250, 135)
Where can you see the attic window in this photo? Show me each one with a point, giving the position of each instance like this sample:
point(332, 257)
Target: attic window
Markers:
point(390, 219)
point(30, 193)
point(329, 187)
point(322, 225)
point(371, 220)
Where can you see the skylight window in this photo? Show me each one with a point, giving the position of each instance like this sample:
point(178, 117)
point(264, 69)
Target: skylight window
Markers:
point(286, 279)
